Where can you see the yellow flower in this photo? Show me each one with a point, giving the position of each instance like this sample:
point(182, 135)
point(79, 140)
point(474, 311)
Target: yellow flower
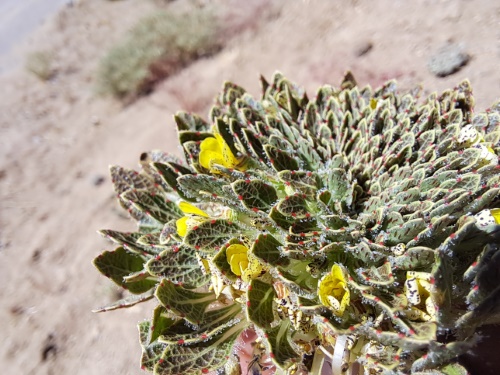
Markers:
point(495, 212)
point(241, 264)
point(193, 217)
point(214, 150)
point(418, 292)
point(333, 291)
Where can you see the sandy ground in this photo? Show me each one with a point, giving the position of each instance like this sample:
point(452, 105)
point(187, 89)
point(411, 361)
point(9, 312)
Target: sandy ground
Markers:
point(57, 138)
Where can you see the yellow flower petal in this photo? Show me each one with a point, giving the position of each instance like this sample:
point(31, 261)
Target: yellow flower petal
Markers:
point(188, 208)
point(214, 150)
point(205, 265)
point(235, 255)
point(181, 225)
point(210, 144)
point(217, 285)
point(333, 291)
point(235, 249)
point(496, 214)
point(243, 264)
point(253, 270)
point(208, 158)
point(417, 288)
point(238, 263)
point(230, 161)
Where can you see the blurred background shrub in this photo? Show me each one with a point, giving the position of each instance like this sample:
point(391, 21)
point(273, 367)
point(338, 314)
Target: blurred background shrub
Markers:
point(40, 64)
point(158, 46)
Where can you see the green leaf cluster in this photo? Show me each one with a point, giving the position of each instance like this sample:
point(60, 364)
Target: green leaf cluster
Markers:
point(359, 222)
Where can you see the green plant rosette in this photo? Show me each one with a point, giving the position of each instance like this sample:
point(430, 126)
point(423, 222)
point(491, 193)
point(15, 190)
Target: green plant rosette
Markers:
point(357, 229)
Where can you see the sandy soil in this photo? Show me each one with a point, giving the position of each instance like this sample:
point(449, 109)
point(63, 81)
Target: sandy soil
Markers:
point(57, 139)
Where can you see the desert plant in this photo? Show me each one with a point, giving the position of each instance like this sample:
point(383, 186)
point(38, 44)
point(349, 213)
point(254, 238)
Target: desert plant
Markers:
point(358, 229)
point(158, 46)
point(40, 64)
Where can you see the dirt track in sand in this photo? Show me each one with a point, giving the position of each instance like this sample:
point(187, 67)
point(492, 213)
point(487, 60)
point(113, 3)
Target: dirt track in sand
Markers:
point(57, 137)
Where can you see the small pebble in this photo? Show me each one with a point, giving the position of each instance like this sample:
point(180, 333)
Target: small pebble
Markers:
point(98, 180)
point(363, 48)
point(49, 349)
point(94, 120)
point(448, 59)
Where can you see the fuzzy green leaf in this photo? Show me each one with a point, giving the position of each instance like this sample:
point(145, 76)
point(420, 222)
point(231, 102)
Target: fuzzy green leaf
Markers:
point(159, 323)
point(151, 355)
point(127, 179)
point(155, 205)
point(487, 312)
point(448, 207)
point(184, 302)
point(152, 241)
point(281, 348)
point(294, 206)
point(126, 302)
point(488, 275)
point(280, 219)
point(255, 145)
point(303, 182)
point(151, 351)
point(226, 134)
point(297, 273)
point(201, 186)
point(193, 136)
point(129, 241)
point(210, 234)
point(120, 263)
point(168, 233)
point(260, 303)
point(255, 194)
point(214, 321)
point(414, 258)
point(199, 357)
point(267, 248)
point(180, 265)
point(280, 160)
point(454, 369)
point(338, 183)
point(169, 173)
point(189, 121)
point(443, 286)
point(405, 232)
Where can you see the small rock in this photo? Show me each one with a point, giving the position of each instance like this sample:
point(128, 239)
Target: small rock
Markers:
point(363, 48)
point(448, 59)
point(37, 254)
point(98, 180)
point(49, 348)
point(17, 310)
point(94, 120)
point(4, 244)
